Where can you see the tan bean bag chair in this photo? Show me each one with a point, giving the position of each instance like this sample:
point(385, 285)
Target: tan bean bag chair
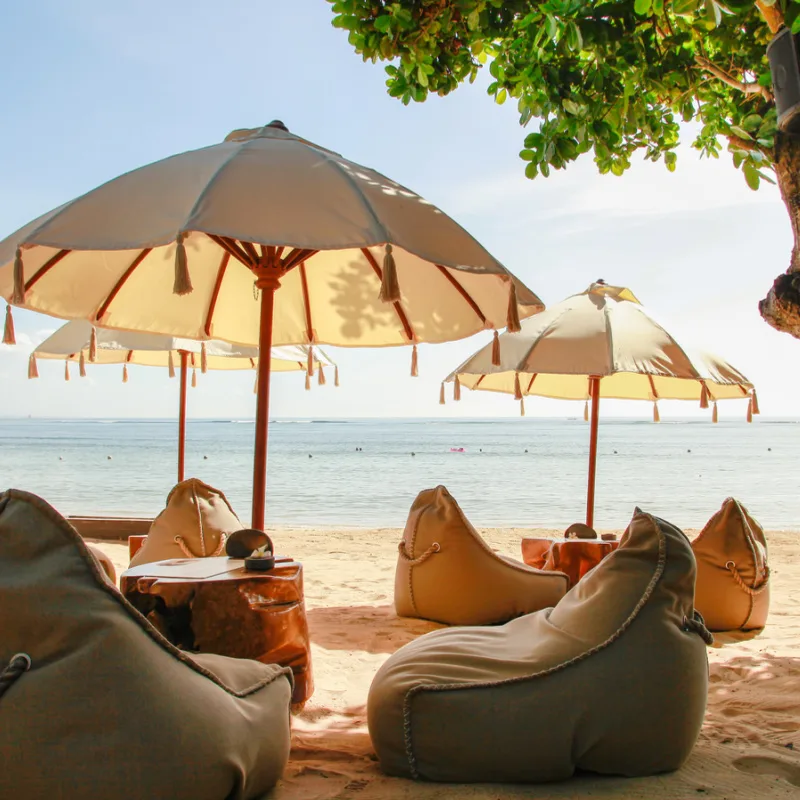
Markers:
point(108, 708)
point(612, 680)
point(106, 564)
point(732, 573)
point(447, 573)
point(194, 524)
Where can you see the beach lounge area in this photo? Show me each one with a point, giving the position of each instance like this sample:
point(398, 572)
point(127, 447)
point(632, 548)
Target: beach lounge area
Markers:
point(611, 607)
point(748, 743)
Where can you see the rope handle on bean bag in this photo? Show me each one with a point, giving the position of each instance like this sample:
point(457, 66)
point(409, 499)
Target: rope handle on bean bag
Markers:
point(17, 666)
point(413, 562)
point(731, 567)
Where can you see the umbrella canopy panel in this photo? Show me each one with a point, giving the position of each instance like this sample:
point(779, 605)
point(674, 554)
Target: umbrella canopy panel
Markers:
point(153, 350)
point(603, 332)
point(218, 214)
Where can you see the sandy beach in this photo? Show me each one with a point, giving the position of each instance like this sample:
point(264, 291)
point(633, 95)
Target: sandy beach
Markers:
point(749, 746)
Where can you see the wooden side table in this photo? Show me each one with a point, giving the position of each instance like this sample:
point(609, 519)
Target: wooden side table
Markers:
point(215, 605)
point(574, 557)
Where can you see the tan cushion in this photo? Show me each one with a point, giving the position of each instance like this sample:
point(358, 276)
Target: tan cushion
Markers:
point(732, 573)
point(109, 708)
point(447, 573)
point(105, 563)
point(194, 524)
point(614, 679)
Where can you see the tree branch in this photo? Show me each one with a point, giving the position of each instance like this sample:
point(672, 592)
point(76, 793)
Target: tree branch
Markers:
point(742, 144)
point(772, 14)
point(747, 88)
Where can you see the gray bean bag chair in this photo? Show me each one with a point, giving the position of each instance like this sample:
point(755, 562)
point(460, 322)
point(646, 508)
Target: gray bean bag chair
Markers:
point(108, 707)
point(612, 680)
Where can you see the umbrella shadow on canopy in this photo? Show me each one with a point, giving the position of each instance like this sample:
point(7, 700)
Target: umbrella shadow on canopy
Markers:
point(79, 342)
point(600, 343)
point(178, 247)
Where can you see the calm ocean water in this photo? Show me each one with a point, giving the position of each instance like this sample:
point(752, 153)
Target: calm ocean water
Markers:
point(522, 472)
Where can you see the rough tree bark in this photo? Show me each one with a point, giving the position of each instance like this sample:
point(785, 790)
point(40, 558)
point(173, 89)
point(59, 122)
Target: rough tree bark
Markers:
point(781, 307)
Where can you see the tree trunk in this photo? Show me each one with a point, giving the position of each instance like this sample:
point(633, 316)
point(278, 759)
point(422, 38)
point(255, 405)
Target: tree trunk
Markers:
point(781, 307)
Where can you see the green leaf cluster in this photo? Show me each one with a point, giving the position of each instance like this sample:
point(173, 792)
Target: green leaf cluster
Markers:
point(612, 77)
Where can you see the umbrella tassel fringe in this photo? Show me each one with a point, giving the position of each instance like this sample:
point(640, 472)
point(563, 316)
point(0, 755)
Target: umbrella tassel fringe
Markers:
point(586, 411)
point(512, 320)
point(414, 362)
point(714, 413)
point(336, 375)
point(456, 389)
point(183, 280)
point(308, 382)
point(124, 373)
point(9, 336)
point(517, 387)
point(320, 376)
point(496, 349)
point(704, 397)
point(93, 345)
point(750, 410)
point(656, 415)
point(194, 378)
point(441, 395)
point(66, 370)
point(33, 368)
point(171, 365)
point(390, 288)
point(754, 397)
point(82, 364)
point(18, 294)
point(522, 406)
point(203, 358)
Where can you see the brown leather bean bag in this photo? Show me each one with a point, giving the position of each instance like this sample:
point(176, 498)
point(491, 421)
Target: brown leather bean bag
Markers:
point(193, 525)
point(573, 557)
point(447, 573)
point(108, 708)
point(612, 680)
point(732, 573)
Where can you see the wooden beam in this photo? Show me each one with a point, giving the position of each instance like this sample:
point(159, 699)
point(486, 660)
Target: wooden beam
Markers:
point(101, 312)
point(43, 270)
point(226, 256)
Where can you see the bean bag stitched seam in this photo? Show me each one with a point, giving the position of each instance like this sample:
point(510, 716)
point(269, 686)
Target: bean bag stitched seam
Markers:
point(515, 565)
point(419, 688)
point(205, 486)
point(71, 534)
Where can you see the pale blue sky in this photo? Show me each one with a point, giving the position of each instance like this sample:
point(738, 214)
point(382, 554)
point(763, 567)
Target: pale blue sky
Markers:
point(103, 88)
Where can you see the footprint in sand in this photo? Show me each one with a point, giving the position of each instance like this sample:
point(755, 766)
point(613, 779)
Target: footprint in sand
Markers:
point(763, 765)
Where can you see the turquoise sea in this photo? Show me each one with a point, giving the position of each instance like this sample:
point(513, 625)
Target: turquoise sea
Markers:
point(521, 472)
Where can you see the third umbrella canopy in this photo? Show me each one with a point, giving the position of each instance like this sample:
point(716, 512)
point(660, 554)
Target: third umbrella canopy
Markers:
point(264, 238)
point(600, 343)
point(78, 341)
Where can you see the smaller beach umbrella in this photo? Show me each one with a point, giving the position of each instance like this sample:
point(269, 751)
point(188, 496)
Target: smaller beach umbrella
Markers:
point(600, 343)
point(80, 342)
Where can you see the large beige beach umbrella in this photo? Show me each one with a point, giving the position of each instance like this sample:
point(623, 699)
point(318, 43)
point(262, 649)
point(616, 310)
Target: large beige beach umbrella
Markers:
point(78, 341)
point(263, 239)
point(600, 343)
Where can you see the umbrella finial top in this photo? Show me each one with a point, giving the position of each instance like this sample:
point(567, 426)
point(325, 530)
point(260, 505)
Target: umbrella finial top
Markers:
point(241, 134)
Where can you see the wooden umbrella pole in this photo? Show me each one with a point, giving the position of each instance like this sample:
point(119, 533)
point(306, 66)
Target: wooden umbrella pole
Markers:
point(267, 284)
point(182, 416)
point(594, 390)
